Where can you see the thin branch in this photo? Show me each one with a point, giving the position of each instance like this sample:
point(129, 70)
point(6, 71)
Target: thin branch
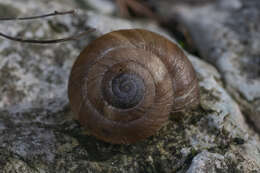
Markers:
point(137, 7)
point(55, 13)
point(70, 38)
point(142, 9)
point(123, 8)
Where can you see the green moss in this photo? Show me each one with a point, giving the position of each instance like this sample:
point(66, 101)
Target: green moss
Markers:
point(8, 11)
point(58, 27)
point(83, 4)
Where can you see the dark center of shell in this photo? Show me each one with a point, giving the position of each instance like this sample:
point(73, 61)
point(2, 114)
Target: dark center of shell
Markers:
point(124, 91)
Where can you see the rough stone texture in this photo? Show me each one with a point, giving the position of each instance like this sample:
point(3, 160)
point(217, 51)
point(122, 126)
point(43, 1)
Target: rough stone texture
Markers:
point(227, 34)
point(38, 133)
point(206, 161)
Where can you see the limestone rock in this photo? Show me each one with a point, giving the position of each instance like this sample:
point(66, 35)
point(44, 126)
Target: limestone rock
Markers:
point(227, 35)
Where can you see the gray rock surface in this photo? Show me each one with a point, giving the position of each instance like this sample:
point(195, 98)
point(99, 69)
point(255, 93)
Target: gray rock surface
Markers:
point(227, 34)
point(37, 130)
point(206, 161)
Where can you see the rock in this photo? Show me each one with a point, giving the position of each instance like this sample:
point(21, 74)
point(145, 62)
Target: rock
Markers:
point(102, 6)
point(227, 35)
point(38, 133)
point(207, 162)
point(230, 5)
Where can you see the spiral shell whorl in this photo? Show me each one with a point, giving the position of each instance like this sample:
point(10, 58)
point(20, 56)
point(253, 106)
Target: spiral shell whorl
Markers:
point(124, 85)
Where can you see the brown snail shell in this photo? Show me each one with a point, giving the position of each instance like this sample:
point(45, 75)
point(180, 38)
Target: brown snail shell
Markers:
point(124, 85)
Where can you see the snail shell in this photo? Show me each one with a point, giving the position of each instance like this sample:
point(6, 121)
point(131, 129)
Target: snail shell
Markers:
point(124, 85)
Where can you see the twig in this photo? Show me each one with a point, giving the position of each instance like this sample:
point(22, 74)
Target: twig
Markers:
point(55, 13)
point(70, 38)
point(142, 9)
point(123, 8)
point(136, 7)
